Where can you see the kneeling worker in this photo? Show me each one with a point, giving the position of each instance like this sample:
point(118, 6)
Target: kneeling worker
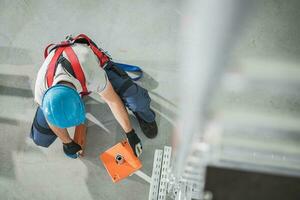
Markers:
point(72, 70)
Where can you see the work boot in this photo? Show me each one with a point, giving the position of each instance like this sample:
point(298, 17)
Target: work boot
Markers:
point(148, 128)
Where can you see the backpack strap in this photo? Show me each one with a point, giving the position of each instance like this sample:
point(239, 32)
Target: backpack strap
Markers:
point(46, 50)
point(56, 46)
point(76, 68)
point(75, 64)
point(52, 66)
point(103, 57)
point(66, 65)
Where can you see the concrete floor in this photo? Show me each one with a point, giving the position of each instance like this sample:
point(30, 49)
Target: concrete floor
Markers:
point(144, 33)
point(135, 32)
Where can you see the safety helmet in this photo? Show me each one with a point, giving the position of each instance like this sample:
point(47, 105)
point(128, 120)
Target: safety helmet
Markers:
point(63, 107)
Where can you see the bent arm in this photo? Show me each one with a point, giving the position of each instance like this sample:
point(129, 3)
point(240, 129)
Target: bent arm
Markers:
point(62, 133)
point(117, 107)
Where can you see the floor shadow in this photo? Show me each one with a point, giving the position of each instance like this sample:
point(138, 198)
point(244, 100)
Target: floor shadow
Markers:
point(163, 98)
point(15, 85)
point(148, 82)
point(12, 91)
point(12, 122)
point(15, 56)
point(13, 139)
point(12, 80)
point(13, 132)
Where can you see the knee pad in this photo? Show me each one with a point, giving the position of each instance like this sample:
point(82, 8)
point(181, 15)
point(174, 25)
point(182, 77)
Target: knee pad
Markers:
point(136, 98)
point(40, 133)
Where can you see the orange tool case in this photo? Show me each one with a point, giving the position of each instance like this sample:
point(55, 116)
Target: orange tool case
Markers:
point(120, 161)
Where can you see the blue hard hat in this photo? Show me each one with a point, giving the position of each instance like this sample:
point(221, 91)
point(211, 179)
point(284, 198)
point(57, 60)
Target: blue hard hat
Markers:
point(63, 107)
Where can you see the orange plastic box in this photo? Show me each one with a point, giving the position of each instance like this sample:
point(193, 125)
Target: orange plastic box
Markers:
point(120, 161)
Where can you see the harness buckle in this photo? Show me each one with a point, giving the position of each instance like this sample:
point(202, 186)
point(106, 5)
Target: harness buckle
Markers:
point(69, 37)
point(69, 40)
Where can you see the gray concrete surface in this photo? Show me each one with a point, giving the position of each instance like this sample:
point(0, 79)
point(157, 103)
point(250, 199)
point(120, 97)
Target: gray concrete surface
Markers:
point(136, 32)
point(265, 53)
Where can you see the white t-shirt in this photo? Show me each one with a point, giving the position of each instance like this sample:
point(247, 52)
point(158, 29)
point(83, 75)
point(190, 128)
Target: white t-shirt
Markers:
point(95, 76)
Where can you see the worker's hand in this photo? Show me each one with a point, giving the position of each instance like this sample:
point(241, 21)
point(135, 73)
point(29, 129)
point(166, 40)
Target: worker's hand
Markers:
point(72, 149)
point(135, 143)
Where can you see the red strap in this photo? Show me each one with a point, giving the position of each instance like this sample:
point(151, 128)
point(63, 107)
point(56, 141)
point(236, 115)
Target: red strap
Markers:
point(52, 66)
point(46, 50)
point(101, 56)
point(76, 68)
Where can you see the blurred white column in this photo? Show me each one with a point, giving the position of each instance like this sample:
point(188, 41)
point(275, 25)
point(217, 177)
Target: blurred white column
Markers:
point(206, 38)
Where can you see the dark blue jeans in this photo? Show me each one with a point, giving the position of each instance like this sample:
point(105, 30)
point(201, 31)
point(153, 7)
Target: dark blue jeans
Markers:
point(134, 96)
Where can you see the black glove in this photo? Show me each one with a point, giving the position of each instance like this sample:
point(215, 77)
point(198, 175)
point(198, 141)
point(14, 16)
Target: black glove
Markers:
point(135, 143)
point(72, 149)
